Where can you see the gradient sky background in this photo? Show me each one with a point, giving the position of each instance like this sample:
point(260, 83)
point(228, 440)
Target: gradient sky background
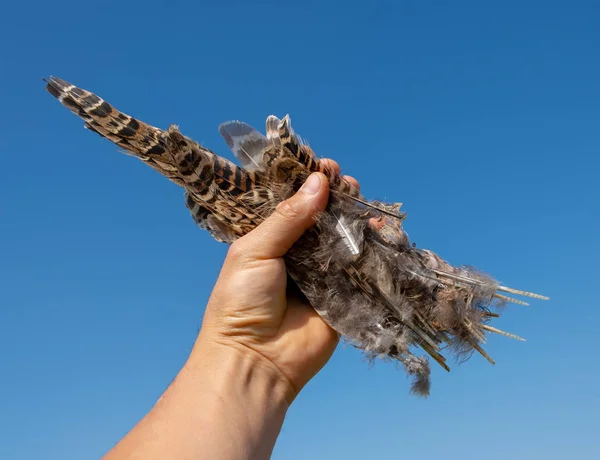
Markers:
point(483, 119)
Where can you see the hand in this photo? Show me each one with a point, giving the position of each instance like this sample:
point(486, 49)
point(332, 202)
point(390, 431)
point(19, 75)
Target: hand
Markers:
point(257, 348)
point(250, 311)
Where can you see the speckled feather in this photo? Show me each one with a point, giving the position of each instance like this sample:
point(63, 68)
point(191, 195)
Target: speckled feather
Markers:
point(356, 266)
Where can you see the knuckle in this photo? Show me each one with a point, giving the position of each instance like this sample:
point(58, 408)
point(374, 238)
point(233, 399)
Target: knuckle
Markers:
point(236, 250)
point(288, 209)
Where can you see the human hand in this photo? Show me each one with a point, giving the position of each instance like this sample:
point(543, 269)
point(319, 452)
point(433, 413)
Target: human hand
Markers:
point(258, 346)
point(250, 311)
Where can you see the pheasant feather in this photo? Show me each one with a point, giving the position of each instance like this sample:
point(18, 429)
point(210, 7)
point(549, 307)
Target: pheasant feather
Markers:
point(356, 266)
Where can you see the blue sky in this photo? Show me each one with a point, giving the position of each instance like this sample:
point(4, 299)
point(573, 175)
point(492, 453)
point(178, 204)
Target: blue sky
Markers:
point(483, 119)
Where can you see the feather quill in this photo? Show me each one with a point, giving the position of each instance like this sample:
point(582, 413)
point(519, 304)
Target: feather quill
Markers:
point(356, 267)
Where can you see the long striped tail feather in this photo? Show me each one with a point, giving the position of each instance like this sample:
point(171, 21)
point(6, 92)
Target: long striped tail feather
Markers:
point(357, 266)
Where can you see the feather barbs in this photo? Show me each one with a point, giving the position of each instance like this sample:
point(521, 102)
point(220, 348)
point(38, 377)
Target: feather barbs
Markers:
point(357, 266)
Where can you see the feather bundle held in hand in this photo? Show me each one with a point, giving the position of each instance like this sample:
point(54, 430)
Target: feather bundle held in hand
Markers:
point(356, 266)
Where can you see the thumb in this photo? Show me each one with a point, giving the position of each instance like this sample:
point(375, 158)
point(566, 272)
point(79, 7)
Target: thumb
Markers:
point(292, 217)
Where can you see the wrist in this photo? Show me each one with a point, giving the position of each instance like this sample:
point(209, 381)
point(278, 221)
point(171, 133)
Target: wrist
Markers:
point(222, 405)
point(235, 368)
point(240, 399)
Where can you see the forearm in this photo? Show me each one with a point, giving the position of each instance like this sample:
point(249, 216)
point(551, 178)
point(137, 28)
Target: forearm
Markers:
point(223, 405)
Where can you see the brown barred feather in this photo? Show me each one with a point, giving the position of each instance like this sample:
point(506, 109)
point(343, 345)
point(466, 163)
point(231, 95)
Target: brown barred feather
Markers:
point(356, 267)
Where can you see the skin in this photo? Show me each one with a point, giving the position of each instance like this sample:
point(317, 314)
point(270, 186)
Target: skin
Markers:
point(258, 347)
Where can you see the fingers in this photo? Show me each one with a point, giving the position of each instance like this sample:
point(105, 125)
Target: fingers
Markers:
point(352, 181)
point(376, 223)
point(276, 235)
point(334, 165)
point(331, 164)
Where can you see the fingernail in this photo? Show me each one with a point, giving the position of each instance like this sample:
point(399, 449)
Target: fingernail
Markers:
point(312, 185)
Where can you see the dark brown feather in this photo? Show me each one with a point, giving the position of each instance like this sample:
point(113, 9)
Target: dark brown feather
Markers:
point(356, 267)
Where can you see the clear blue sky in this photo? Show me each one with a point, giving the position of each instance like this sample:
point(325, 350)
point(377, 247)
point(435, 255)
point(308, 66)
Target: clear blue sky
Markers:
point(483, 119)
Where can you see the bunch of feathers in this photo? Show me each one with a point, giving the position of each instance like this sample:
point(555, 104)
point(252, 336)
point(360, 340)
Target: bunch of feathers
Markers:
point(356, 266)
